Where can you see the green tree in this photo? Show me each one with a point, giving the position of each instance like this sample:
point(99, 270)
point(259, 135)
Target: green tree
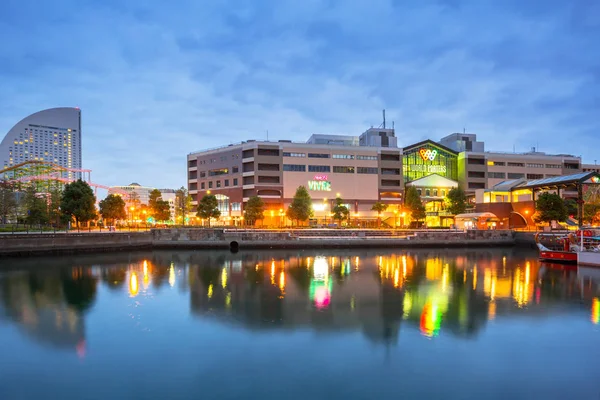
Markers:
point(54, 212)
point(412, 201)
point(571, 207)
point(379, 207)
point(8, 201)
point(112, 208)
point(340, 211)
point(254, 210)
point(301, 207)
point(550, 207)
point(159, 208)
point(78, 202)
point(456, 201)
point(208, 208)
point(36, 207)
point(183, 204)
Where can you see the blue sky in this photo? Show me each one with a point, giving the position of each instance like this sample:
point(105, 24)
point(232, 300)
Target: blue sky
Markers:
point(156, 80)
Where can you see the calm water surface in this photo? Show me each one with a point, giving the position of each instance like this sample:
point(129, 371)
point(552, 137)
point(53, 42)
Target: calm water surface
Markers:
point(340, 324)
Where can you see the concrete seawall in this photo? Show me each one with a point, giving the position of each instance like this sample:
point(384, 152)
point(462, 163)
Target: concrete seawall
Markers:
point(197, 239)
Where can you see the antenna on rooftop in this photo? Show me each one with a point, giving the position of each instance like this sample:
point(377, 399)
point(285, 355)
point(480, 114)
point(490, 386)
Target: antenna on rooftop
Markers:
point(267, 135)
point(384, 118)
point(393, 125)
point(464, 130)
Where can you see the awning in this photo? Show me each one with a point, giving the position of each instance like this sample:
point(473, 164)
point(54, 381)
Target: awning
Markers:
point(476, 215)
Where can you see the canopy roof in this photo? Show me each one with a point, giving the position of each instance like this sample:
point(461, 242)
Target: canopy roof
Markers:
point(434, 181)
point(475, 215)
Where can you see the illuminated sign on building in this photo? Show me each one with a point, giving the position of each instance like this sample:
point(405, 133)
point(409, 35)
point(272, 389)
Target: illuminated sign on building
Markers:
point(320, 184)
point(430, 169)
point(427, 154)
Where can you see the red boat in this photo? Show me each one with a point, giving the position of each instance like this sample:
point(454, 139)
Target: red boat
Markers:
point(559, 251)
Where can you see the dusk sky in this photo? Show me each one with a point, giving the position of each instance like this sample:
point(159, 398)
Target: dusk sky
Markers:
point(157, 80)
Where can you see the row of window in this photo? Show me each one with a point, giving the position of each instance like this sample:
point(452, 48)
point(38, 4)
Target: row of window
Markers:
point(217, 184)
point(517, 175)
point(432, 192)
point(335, 156)
point(518, 164)
point(338, 169)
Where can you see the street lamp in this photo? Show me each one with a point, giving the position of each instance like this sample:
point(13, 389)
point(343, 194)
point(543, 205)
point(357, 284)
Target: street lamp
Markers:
point(131, 214)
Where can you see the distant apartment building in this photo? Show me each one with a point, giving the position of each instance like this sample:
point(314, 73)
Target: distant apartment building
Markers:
point(591, 168)
point(480, 169)
point(51, 136)
point(136, 193)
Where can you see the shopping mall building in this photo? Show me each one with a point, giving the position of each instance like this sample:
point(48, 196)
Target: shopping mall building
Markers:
point(361, 170)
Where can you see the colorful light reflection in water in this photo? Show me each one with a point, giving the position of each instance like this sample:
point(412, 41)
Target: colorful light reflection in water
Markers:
point(321, 284)
point(596, 311)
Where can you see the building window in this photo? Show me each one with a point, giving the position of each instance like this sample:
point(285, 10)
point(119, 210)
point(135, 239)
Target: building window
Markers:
point(294, 154)
point(268, 179)
point(533, 165)
point(318, 155)
point(476, 174)
point(202, 186)
point(294, 168)
point(268, 167)
point(343, 170)
point(496, 163)
point(427, 193)
point(210, 185)
point(191, 163)
point(226, 182)
point(319, 168)
point(443, 192)
point(515, 164)
point(202, 174)
point(514, 175)
point(390, 182)
point(476, 161)
point(194, 186)
point(476, 185)
point(390, 171)
point(553, 166)
point(497, 175)
point(235, 170)
point(366, 170)
point(235, 181)
point(390, 157)
point(343, 156)
point(535, 176)
point(216, 172)
point(218, 184)
point(268, 152)
point(435, 192)
point(420, 192)
point(193, 175)
point(236, 206)
point(363, 157)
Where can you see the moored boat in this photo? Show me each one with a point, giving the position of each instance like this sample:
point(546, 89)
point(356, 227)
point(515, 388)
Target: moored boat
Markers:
point(556, 248)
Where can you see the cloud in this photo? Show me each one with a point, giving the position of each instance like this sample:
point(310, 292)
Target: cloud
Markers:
point(156, 82)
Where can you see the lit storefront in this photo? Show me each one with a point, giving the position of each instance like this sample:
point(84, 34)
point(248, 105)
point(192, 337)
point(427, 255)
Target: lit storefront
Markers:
point(433, 170)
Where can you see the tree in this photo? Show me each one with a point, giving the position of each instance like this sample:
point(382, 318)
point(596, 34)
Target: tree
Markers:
point(78, 202)
point(8, 201)
point(183, 204)
point(591, 213)
point(456, 201)
point(159, 208)
point(208, 208)
point(301, 207)
point(36, 207)
point(571, 207)
point(412, 201)
point(550, 207)
point(254, 210)
point(379, 207)
point(112, 208)
point(54, 212)
point(340, 211)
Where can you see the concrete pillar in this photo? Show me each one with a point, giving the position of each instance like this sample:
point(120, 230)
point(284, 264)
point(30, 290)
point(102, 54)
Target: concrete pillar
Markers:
point(580, 205)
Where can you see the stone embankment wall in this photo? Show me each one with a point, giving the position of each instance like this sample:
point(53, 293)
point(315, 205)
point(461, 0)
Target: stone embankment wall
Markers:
point(61, 243)
point(194, 238)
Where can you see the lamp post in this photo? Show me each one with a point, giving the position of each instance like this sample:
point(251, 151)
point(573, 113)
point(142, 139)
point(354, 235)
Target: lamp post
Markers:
point(281, 217)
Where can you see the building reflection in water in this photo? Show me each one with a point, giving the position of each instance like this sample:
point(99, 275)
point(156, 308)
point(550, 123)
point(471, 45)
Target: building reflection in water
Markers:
point(436, 292)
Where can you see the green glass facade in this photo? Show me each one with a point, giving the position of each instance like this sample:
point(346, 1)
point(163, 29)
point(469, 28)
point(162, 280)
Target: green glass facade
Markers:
point(427, 158)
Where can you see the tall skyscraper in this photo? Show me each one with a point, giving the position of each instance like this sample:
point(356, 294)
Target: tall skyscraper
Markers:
point(52, 135)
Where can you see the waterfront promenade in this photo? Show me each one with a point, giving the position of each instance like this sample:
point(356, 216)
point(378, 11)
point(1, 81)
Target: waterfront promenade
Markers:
point(24, 244)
